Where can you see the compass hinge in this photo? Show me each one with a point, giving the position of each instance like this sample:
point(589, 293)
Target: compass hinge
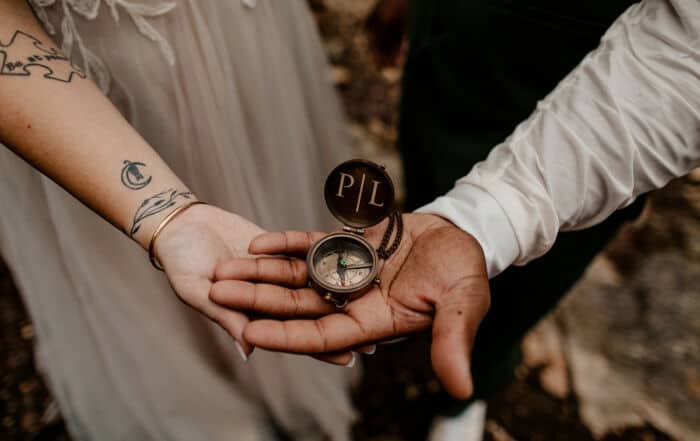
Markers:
point(354, 230)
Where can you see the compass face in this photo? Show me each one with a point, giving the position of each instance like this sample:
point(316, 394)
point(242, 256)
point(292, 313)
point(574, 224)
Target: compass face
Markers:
point(342, 263)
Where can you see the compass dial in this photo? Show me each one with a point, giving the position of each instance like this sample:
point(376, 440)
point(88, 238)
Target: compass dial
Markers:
point(343, 264)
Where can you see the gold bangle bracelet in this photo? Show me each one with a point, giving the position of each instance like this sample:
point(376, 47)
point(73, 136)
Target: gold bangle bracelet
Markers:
point(161, 226)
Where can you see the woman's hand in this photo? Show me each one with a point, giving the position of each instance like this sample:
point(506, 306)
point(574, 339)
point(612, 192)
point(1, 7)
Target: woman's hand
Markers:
point(189, 249)
point(436, 279)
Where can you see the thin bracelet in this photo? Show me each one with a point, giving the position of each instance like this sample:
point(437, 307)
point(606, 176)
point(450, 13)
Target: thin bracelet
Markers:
point(163, 224)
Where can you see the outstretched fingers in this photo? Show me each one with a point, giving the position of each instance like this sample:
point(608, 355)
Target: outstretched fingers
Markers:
point(233, 322)
point(269, 300)
point(331, 333)
point(285, 242)
point(280, 271)
point(193, 292)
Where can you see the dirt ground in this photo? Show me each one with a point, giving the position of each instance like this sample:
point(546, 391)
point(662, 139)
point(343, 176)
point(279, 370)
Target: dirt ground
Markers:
point(399, 394)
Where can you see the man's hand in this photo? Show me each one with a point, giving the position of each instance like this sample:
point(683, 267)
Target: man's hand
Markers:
point(436, 279)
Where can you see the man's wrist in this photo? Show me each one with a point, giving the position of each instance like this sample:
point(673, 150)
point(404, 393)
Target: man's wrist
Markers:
point(475, 211)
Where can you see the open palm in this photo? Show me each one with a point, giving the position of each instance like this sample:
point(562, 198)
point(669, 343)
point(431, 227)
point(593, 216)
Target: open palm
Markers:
point(437, 278)
point(190, 249)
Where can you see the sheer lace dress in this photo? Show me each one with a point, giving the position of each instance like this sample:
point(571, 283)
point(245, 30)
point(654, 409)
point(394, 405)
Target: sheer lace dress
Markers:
point(233, 95)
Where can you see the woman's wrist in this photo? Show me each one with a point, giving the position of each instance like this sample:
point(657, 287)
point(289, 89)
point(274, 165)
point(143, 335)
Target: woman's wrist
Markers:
point(171, 217)
point(182, 227)
point(149, 213)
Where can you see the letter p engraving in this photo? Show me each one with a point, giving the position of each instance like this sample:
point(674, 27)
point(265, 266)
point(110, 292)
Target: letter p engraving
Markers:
point(345, 177)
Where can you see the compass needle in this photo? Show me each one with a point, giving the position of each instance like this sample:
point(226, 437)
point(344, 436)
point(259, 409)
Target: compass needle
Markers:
point(342, 265)
point(358, 266)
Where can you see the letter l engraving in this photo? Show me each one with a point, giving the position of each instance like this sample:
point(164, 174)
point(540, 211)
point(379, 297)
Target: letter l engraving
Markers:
point(373, 201)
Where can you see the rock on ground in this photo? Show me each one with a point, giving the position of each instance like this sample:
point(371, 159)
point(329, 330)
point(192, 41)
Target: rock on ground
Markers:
point(630, 329)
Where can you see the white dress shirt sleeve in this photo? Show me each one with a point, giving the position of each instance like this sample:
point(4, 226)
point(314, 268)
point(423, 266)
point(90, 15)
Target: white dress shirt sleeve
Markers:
point(625, 121)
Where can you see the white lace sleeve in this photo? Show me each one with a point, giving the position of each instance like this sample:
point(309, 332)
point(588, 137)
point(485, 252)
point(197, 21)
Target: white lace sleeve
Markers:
point(89, 10)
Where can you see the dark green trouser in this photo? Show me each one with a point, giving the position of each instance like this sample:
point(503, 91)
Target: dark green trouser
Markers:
point(475, 70)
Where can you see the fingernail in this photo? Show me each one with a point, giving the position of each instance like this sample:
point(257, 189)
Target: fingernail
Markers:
point(370, 350)
point(351, 363)
point(244, 356)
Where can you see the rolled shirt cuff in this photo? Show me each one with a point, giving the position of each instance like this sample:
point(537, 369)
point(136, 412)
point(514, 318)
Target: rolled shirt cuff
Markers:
point(477, 212)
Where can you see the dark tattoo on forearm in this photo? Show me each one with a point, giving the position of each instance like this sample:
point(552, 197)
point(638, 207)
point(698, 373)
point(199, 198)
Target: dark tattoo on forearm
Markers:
point(132, 177)
point(26, 55)
point(157, 203)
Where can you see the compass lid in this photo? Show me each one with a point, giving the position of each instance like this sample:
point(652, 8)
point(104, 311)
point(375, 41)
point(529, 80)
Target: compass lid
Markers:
point(359, 193)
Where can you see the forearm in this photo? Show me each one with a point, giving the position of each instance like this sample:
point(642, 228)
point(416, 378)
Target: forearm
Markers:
point(624, 122)
point(60, 122)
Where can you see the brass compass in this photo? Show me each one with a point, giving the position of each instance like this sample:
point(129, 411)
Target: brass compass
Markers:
point(343, 266)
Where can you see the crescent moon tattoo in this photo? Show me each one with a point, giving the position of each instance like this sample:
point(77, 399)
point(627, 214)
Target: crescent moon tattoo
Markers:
point(132, 177)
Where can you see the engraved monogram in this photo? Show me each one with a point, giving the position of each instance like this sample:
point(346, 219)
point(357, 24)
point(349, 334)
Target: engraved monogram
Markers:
point(347, 181)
